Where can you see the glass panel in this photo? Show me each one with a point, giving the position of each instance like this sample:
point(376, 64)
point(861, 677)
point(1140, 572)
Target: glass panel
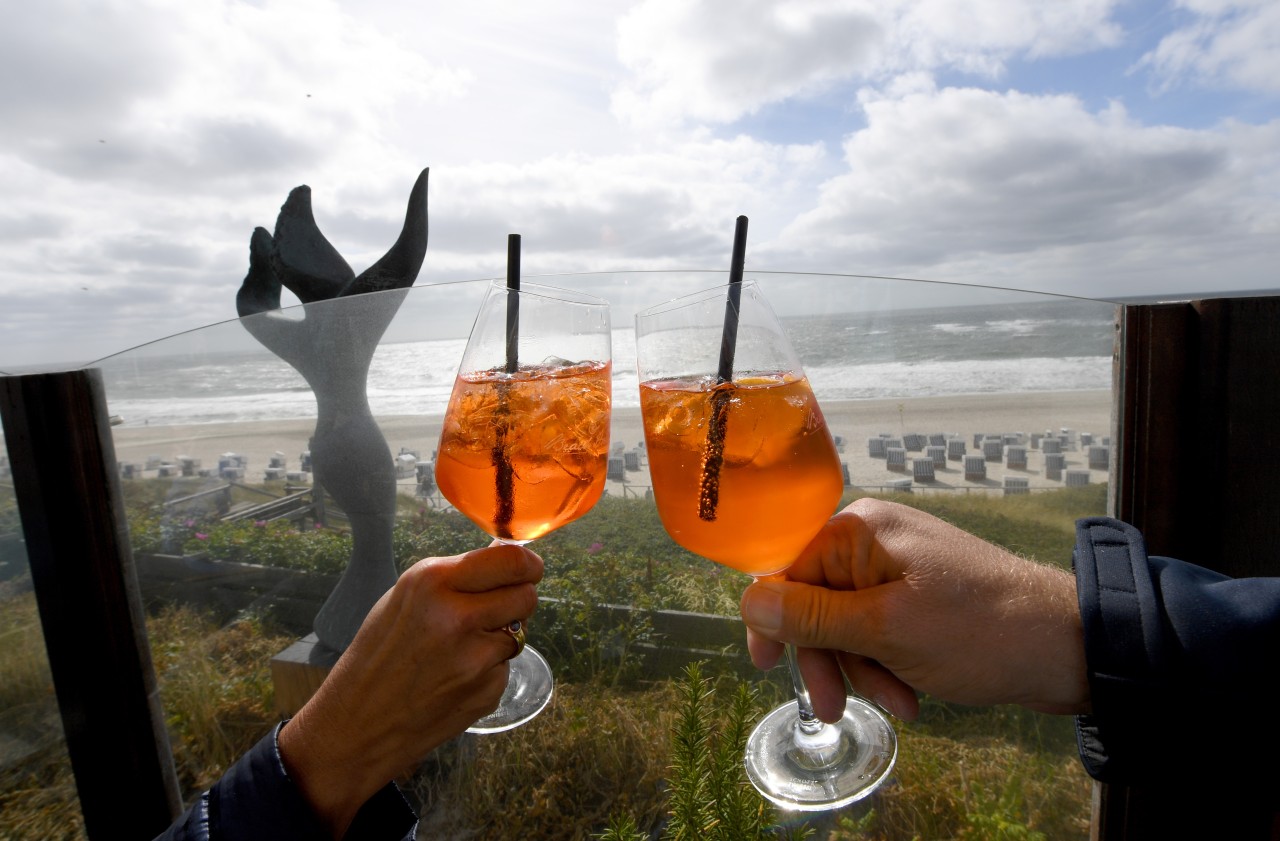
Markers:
point(989, 407)
point(37, 789)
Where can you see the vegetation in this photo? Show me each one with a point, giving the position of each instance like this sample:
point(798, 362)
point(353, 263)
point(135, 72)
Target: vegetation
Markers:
point(1040, 526)
point(993, 779)
point(618, 754)
point(216, 690)
point(215, 683)
point(37, 790)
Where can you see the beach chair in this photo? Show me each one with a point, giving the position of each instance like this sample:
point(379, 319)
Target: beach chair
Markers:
point(1016, 485)
point(1076, 478)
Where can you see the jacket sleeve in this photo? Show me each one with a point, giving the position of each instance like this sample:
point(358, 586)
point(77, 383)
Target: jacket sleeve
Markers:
point(1181, 660)
point(257, 801)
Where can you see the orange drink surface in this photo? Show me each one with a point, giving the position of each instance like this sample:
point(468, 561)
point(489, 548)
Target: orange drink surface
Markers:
point(779, 477)
point(523, 453)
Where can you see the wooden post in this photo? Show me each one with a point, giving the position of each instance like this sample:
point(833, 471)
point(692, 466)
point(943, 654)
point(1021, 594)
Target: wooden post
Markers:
point(73, 519)
point(1199, 434)
point(1196, 470)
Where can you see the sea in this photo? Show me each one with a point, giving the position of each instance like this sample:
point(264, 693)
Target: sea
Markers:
point(1028, 346)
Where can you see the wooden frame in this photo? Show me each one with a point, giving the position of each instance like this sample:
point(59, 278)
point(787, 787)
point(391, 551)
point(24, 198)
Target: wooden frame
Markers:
point(1198, 472)
point(73, 520)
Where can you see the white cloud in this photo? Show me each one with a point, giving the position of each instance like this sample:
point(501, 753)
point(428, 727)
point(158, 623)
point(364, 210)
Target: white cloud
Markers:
point(1037, 192)
point(1226, 44)
point(980, 37)
point(662, 208)
point(160, 92)
point(144, 140)
point(717, 60)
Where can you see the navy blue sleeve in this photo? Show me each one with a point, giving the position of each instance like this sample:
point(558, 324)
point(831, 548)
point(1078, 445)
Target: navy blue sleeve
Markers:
point(256, 801)
point(1182, 661)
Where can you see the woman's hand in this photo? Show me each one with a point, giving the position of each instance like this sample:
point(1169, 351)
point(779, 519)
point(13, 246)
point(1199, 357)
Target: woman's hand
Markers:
point(429, 660)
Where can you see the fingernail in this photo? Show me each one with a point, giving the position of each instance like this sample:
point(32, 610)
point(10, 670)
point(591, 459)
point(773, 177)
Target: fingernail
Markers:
point(762, 609)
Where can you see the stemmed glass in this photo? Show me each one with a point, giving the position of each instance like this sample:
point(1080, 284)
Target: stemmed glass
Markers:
point(525, 442)
point(745, 473)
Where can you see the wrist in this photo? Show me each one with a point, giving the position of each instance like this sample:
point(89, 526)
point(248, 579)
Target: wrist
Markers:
point(329, 771)
point(1059, 657)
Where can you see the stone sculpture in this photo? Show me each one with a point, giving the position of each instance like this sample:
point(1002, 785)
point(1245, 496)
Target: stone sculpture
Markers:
point(331, 346)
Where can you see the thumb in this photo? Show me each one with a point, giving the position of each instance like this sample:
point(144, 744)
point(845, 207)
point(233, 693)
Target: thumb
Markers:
point(805, 615)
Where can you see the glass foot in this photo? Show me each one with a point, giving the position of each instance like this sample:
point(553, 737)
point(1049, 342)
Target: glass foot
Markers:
point(529, 688)
point(837, 765)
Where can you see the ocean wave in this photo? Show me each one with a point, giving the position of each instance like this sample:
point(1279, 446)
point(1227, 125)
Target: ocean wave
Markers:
point(847, 357)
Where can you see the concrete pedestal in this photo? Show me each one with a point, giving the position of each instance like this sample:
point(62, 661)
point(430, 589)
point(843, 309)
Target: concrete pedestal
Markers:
point(298, 671)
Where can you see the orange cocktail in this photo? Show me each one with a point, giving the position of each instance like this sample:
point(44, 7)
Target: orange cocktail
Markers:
point(779, 474)
point(746, 473)
point(523, 453)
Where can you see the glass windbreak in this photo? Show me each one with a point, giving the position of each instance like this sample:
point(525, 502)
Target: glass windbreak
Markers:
point(990, 408)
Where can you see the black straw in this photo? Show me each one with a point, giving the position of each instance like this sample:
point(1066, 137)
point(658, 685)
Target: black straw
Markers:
point(729, 337)
point(504, 477)
point(513, 303)
point(713, 456)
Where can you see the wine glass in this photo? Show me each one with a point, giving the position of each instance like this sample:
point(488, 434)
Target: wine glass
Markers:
point(745, 473)
point(525, 442)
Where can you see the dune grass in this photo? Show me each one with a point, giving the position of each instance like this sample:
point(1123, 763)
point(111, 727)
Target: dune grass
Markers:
point(215, 686)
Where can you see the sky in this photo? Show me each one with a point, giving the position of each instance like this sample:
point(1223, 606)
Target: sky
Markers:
point(1113, 149)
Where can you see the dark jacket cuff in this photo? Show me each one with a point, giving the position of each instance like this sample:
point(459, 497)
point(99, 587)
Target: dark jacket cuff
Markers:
point(1123, 632)
point(255, 800)
point(1178, 657)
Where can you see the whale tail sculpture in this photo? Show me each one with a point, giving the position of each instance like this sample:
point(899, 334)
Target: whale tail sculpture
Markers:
point(331, 347)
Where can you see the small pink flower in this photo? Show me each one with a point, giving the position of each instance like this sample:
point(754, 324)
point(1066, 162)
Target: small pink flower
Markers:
point(260, 523)
point(201, 536)
point(190, 523)
point(595, 547)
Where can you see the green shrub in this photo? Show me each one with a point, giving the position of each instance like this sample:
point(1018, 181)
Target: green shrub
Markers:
point(708, 795)
point(591, 753)
point(428, 532)
point(215, 684)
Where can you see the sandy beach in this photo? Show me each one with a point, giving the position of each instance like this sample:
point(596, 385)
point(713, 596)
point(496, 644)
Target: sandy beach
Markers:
point(854, 421)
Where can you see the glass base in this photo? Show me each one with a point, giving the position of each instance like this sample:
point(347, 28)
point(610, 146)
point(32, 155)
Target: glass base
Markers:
point(837, 765)
point(529, 686)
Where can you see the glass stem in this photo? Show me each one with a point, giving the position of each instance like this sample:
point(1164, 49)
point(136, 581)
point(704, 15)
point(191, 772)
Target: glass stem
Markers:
point(809, 723)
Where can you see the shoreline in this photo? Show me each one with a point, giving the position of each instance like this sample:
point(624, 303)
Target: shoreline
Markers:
point(854, 421)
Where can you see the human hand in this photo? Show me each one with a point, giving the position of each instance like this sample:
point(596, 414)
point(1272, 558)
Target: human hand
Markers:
point(428, 661)
point(904, 602)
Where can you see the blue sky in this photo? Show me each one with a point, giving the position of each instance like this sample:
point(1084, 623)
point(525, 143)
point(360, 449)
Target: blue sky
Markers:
point(1087, 147)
